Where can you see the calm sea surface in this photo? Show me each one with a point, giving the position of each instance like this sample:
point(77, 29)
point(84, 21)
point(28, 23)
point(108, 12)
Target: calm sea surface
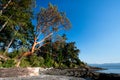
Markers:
point(109, 69)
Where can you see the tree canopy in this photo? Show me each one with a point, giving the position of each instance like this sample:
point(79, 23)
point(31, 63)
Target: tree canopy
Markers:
point(34, 45)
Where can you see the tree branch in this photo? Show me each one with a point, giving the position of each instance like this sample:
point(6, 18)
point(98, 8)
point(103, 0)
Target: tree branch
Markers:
point(3, 57)
point(42, 45)
point(45, 38)
point(39, 35)
point(1, 11)
point(3, 26)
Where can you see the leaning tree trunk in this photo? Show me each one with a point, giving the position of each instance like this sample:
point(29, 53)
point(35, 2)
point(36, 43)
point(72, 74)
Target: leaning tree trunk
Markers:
point(5, 24)
point(18, 61)
point(4, 7)
point(10, 43)
point(8, 46)
point(3, 57)
point(32, 49)
point(25, 55)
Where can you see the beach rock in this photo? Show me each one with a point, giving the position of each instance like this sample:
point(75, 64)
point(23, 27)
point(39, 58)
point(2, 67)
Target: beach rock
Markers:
point(23, 72)
point(33, 71)
point(104, 76)
point(67, 72)
point(43, 77)
point(13, 72)
point(38, 73)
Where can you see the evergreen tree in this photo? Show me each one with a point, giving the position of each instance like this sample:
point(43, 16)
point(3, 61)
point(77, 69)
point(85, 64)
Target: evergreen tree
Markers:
point(15, 22)
point(63, 53)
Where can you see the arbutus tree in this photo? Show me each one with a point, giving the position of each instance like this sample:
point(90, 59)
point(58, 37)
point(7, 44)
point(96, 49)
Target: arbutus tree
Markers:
point(49, 21)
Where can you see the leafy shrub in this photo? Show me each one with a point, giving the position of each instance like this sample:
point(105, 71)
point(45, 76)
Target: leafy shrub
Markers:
point(8, 63)
point(55, 65)
point(25, 62)
point(33, 61)
point(49, 62)
point(36, 61)
point(13, 54)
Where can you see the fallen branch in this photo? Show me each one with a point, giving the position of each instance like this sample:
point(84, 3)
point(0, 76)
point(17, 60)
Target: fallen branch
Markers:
point(3, 57)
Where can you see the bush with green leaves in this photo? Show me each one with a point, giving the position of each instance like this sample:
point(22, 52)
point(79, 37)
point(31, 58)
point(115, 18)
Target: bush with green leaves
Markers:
point(55, 64)
point(36, 61)
point(25, 62)
point(49, 62)
point(32, 61)
point(13, 54)
point(8, 63)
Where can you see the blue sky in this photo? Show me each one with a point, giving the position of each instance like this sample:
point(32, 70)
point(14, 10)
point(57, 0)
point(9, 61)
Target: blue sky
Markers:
point(95, 27)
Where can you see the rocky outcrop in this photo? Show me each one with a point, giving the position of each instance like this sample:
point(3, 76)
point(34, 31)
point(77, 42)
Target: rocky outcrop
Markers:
point(23, 72)
point(44, 77)
point(84, 73)
point(104, 76)
point(36, 73)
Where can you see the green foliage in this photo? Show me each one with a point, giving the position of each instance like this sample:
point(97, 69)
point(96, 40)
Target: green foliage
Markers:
point(60, 53)
point(1, 53)
point(13, 54)
point(55, 64)
point(33, 61)
point(17, 53)
point(25, 62)
point(60, 58)
point(36, 61)
point(48, 61)
point(55, 51)
point(8, 63)
point(15, 23)
point(52, 20)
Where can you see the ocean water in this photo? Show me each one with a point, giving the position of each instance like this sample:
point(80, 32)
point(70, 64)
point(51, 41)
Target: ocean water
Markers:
point(109, 68)
point(116, 71)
